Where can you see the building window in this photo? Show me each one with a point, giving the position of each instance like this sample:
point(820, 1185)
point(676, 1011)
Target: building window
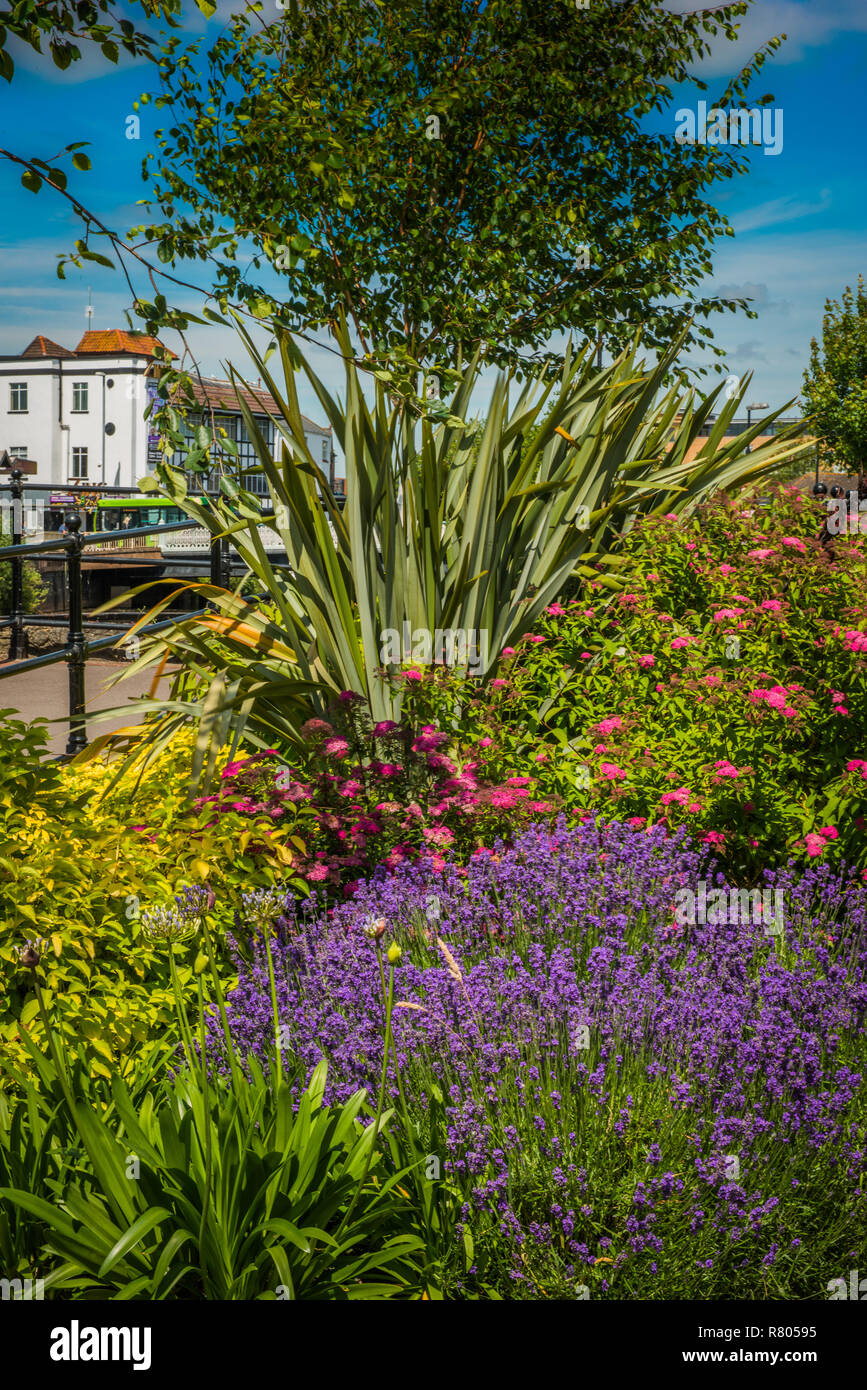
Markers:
point(79, 397)
point(79, 463)
point(18, 452)
point(325, 451)
point(18, 396)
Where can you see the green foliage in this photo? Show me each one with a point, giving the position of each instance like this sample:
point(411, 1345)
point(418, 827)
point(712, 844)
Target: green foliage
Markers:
point(33, 585)
point(79, 864)
point(729, 679)
point(203, 1187)
point(63, 24)
point(835, 387)
point(40, 1145)
point(437, 171)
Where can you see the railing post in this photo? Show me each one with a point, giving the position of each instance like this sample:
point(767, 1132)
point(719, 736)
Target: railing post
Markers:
point(216, 563)
point(77, 651)
point(225, 562)
point(221, 563)
point(16, 640)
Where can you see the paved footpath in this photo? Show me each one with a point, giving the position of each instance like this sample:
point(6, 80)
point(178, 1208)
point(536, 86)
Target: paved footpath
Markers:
point(45, 694)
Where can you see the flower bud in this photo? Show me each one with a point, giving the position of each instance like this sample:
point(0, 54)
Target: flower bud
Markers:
point(374, 927)
point(394, 953)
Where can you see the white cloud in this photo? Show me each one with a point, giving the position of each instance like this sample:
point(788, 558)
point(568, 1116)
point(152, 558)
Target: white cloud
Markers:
point(806, 24)
point(778, 210)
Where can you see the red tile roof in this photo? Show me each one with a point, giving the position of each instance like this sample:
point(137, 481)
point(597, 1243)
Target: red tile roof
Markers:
point(220, 395)
point(45, 347)
point(117, 341)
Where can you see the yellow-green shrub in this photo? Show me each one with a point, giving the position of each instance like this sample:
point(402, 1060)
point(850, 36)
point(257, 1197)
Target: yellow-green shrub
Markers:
point(80, 861)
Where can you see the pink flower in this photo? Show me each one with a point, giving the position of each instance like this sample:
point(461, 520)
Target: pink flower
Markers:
point(498, 682)
point(636, 821)
point(858, 765)
point(351, 787)
point(837, 697)
point(412, 675)
point(438, 835)
point(607, 726)
point(505, 798)
point(772, 605)
point(829, 832)
point(725, 769)
point(438, 762)
point(349, 697)
point(726, 569)
point(508, 651)
point(464, 782)
point(671, 516)
point(795, 544)
point(680, 642)
point(713, 680)
point(318, 873)
point(815, 844)
point(385, 726)
point(776, 697)
point(760, 554)
point(518, 781)
point(690, 545)
point(647, 661)
point(428, 740)
point(531, 637)
point(336, 747)
point(855, 641)
point(714, 837)
point(727, 613)
point(585, 656)
point(611, 771)
point(485, 742)
point(659, 686)
point(314, 728)
point(681, 796)
point(555, 611)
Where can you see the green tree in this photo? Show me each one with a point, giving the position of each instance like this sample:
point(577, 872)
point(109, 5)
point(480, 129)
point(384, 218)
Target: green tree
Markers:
point(33, 586)
point(449, 173)
point(835, 385)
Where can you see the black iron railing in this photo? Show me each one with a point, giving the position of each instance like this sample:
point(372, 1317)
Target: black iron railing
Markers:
point(78, 646)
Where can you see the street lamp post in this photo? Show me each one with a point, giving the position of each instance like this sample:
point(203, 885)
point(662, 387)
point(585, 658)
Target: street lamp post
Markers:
point(756, 405)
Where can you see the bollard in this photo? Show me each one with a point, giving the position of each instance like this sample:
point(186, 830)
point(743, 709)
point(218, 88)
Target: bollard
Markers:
point(76, 645)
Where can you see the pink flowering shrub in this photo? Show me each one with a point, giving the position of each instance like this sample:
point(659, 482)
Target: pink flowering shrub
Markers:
point(726, 691)
point(377, 793)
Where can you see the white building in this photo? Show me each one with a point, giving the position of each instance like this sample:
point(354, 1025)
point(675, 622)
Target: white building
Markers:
point(80, 414)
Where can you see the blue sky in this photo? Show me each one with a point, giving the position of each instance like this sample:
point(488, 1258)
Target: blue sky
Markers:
point(799, 216)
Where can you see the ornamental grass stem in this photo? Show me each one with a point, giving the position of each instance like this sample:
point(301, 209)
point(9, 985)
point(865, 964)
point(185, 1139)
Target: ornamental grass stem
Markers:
point(389, 997)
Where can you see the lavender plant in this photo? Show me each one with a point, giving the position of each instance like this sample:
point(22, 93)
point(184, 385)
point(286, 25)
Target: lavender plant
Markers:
point(640, 1107)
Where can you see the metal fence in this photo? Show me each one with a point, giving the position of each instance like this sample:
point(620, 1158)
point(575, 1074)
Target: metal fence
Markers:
point(78, 645)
